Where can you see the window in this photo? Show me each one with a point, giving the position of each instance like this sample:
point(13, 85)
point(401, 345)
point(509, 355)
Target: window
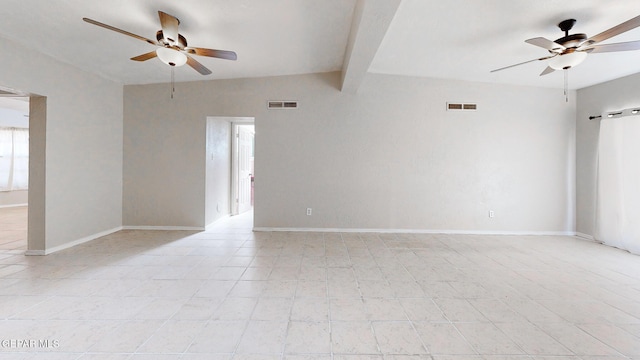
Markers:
point(14, 159)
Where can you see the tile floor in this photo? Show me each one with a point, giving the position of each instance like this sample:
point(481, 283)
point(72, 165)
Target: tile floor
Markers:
point(229, 293)
point(13, 229)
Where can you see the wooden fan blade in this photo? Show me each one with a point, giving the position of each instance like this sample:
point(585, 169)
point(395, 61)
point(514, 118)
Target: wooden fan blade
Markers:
point(109, 27)
point(545, 44)
point(616, 30)
point(220, 54)
point(169, 25)
point(624, 46)
point(144, 57)
point(548, 70)
point(522, 63)
point(197, 66)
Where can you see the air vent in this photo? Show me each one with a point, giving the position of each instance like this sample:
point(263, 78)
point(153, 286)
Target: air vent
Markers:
point(282, 104)
point(462, 107)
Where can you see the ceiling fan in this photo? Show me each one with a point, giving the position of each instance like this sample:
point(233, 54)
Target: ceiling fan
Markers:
point(570, 50)
point(172, 47)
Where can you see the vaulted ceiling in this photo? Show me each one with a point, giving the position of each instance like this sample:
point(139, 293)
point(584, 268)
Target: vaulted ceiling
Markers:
point(454, 39)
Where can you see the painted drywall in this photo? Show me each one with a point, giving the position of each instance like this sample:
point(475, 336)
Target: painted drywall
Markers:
point(37, 232)
point(218, 169)
point(595, 100)
point(82, 190)
point(388, 157)
point(164, 159)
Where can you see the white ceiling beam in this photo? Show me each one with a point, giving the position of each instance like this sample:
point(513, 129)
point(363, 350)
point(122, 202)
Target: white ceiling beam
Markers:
point(371, 20)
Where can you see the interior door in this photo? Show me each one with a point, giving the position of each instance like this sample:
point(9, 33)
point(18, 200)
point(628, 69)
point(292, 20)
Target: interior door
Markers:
point(245, 168)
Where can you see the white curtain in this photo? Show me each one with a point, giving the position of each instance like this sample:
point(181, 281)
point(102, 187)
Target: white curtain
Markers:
point(14, 159)
point(20, 159)
point(618, 191)
point(6, 158)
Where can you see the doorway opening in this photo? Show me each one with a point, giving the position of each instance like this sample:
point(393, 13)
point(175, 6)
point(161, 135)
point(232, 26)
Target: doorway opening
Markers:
point(33, 157)
point(230, 154)
point(14, 171)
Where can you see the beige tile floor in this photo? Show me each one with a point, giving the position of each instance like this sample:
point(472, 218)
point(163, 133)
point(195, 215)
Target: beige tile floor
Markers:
point(229, 293)
point(13, 229)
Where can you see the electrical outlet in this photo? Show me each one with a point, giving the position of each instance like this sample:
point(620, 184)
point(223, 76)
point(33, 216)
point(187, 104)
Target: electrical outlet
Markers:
point(491, 214)
point(309, 211)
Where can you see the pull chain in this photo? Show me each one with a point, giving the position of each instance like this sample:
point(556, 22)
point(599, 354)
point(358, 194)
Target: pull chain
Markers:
point(566, 85)
point(173, 82)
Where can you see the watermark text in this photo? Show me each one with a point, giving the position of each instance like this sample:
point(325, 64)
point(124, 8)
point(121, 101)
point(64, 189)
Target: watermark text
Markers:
point(28, 343)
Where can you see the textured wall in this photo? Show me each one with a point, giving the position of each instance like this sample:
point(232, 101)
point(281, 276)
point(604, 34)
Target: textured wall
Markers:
point(389, 156)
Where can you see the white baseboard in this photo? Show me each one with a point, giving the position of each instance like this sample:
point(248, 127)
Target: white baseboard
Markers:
point(415, 231)
point(165, 228)
point(72, 243)
point(586, 237)
point(13, 205)
point(34, 253)
point(105, 233)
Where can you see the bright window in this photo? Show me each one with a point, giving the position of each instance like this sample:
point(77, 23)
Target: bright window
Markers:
point(14, 159)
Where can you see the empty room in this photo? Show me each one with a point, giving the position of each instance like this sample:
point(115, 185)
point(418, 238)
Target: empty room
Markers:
point(320, 179)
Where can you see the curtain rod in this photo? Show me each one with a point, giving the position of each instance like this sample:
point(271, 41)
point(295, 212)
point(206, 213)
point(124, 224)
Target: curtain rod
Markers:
point(619, 113)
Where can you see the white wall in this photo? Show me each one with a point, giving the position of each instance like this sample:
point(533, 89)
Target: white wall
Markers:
point(387, 157)
point(164, 158)
point(83, 130)
point(614, 95)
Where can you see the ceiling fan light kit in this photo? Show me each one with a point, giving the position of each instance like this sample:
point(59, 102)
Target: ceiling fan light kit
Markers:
point(567, 61)
point(171, 57)
point(571, 50)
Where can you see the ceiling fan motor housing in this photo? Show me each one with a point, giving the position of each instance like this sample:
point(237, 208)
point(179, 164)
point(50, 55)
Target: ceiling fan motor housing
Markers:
point(181, 43)
point(571, 41)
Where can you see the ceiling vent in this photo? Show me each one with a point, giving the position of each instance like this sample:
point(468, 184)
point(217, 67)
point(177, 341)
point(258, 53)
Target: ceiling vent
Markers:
point(462, 107)
point(282, 104)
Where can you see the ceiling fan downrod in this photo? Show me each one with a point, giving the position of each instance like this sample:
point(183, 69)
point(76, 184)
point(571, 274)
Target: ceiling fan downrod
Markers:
point(567, 25)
